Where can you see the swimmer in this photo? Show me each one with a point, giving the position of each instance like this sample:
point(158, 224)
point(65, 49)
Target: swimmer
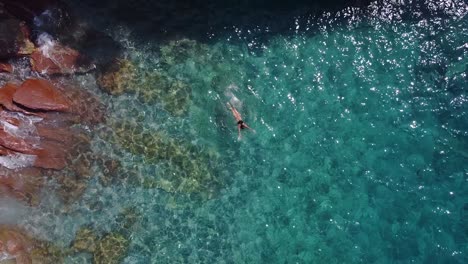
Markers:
point(240, 123)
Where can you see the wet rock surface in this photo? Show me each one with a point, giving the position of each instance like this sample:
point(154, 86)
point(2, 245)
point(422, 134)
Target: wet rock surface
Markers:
point(40, 94)
point(6, 67)
point(24, 184)
point(53, 58)
point(6, 98)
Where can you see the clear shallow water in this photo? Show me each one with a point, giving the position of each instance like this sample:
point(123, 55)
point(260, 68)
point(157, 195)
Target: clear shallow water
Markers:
point(359, 153)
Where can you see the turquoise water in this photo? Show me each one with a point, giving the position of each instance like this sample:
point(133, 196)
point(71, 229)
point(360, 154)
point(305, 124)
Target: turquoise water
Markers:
point(359, 152)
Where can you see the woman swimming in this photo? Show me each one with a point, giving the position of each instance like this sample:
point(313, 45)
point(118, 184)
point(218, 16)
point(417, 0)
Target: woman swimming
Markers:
point(240, 123)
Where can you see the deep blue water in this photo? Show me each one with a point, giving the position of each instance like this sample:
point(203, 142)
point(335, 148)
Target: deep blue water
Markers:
point(359, 152)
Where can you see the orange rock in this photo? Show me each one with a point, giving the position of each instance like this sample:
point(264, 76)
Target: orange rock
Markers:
point(5, 67)
point(40, 94)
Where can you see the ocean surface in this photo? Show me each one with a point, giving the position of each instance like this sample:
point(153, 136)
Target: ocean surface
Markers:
point(359, 153)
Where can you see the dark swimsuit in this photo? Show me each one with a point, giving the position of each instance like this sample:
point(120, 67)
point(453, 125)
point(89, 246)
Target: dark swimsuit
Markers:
point(241, 123)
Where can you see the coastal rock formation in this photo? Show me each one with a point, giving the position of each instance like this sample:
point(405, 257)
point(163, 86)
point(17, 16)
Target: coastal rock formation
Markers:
point(24, 184)
point(6, 97)
point(17, 132)
point(6, 67)
point(54, 58)
point(35, 132)
point(40, 94)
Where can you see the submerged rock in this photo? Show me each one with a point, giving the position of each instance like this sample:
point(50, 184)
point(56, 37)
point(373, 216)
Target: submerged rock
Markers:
point(151, 87)
point(85, 240)
point(111, 249)
point(184, 167)
point(110, 172)
point(15, 245)
point(40, 95)
point(20, 248)
point(178, 51)
point(53, 58)
point(118, 78)
point(174, 95)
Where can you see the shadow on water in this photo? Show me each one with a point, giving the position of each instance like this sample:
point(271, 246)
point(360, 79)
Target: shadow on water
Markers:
point(153, 20)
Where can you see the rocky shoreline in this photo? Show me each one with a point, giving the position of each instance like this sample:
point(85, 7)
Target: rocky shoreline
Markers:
point(46, 120)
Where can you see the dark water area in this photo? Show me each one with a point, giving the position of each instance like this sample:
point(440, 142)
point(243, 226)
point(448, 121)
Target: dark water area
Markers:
point(202, 20)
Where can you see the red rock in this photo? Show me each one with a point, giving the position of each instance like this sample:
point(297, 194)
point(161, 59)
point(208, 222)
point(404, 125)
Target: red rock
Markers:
point(15, 143)
point(51, 155)
point(22, 184)
point(4, 151)
point(15, 132)
point(6, 95)
point(57, 59)
point(40, 95)
point(9, 117)
point(58, 134)
point(5, 67)
point(93, 113)
point(6, 98)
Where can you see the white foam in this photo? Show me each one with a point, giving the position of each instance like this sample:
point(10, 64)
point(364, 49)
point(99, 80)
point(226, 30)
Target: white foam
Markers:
point(17, 160)
point(232, 98)
point(46, 44)
point(26, 129)
point(11, 211)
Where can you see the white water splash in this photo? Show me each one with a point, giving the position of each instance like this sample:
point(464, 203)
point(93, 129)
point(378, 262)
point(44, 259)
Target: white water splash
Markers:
point(17, 161)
